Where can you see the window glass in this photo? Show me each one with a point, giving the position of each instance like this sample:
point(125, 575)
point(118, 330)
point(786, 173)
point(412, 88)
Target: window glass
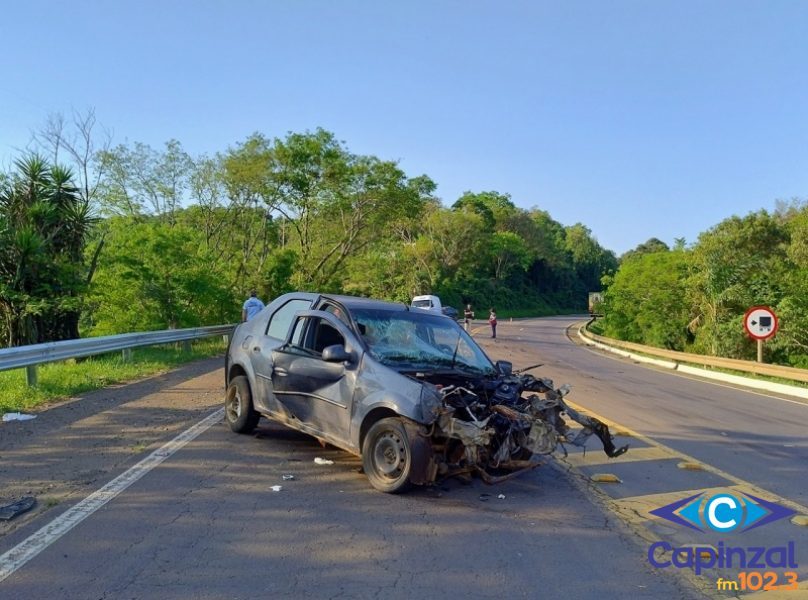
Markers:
point(282, 318)
point(324, 336)
point(337, 312)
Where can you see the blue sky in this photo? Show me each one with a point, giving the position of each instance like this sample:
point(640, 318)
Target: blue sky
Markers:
point(636, 118)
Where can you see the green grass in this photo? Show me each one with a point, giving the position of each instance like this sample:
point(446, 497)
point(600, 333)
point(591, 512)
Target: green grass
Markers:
point(57, 381)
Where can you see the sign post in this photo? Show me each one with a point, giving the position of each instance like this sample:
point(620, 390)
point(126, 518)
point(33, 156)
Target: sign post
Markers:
point(760, 324)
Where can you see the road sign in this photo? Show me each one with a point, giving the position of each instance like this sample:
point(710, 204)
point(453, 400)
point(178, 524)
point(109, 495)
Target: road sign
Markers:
point(760, 322)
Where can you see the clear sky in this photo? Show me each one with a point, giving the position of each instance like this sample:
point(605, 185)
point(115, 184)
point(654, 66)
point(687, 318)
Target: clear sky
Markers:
point(640, 119)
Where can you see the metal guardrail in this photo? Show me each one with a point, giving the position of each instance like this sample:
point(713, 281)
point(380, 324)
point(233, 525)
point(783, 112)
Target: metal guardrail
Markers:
point(36, 354)
point(745, 366)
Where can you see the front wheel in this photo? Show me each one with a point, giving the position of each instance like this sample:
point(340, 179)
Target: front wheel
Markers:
point(238, 407)
point(386, 456)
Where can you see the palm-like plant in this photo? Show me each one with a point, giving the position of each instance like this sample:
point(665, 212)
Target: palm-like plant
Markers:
point(44, 226)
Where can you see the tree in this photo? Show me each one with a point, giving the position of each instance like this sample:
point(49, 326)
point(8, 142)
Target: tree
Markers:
point(738, 263)
point(645, 300)
point(44, 227)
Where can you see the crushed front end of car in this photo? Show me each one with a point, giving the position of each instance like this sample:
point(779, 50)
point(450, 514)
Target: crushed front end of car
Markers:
point(498, 428)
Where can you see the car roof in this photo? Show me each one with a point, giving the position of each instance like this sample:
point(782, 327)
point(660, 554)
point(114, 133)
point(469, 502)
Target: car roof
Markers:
point(354, 302)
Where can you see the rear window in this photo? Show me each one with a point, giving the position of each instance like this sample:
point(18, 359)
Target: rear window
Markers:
point(281, 319)
point(422, 303)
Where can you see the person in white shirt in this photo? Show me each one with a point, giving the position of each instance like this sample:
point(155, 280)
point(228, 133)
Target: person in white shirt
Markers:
point(252, 306)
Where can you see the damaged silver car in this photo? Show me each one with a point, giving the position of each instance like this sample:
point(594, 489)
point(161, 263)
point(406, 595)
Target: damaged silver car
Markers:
point(409, 391)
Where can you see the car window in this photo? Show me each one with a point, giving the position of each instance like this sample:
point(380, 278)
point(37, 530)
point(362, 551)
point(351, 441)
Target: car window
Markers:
point(337, 312)
point(281, 319)
point(311, 335)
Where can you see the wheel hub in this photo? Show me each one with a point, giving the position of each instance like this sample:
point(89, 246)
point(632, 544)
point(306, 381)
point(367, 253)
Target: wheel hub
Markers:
point(389, 455)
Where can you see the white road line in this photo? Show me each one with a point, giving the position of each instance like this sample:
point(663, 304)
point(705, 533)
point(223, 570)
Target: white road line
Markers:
point(37, 542)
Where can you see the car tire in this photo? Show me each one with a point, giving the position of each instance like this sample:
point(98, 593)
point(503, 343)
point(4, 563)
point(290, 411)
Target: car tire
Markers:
point(386, 456)
point(238, 407)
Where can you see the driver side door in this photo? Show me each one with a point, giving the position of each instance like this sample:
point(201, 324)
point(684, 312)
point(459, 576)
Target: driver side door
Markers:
point(318, 393)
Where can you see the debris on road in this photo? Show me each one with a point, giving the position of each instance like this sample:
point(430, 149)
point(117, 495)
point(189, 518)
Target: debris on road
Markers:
point(606, 478)
point(690, 466)
point(10, 511)
point(501, 496)
point(276, 488)
point(485, 497)
point(16, 416)
point(801, 520)
point(288, 477)
point(323, 461)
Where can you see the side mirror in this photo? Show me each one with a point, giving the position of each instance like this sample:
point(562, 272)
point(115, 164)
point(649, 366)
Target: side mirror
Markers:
point(504, 367)
point(336, 353)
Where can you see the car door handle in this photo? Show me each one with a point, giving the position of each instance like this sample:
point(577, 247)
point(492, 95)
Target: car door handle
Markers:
point(280, 372)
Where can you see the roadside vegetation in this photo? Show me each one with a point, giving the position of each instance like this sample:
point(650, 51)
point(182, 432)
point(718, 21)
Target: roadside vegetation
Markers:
point(98, 239)
point(694, 298)
point(57, 381)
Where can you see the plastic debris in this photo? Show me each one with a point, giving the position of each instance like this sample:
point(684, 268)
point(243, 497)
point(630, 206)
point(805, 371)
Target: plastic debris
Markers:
point(288, 477)
point(690, 466)
point(323, 461)
point(606, 478)
point(501, 496)
point(276, 488)
point(801, 520)
point(22, 505)
point(15, 416)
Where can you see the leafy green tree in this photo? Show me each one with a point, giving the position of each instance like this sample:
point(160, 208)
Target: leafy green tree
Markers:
point(741, 262)
point(156, 276)
point(645, 300)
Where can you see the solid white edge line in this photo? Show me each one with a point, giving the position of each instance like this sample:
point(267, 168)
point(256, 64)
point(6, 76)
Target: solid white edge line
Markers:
point(37, 542)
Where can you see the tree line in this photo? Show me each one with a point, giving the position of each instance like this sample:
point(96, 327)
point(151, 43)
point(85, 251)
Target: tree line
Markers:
point(99, 239)
point(694, 298)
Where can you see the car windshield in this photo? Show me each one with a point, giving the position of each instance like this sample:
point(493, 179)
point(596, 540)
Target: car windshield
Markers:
point(419, 340)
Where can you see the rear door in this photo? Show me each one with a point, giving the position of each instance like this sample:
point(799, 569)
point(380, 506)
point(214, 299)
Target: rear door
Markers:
point(260, 349)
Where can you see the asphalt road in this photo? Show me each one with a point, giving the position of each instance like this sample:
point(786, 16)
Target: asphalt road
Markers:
point(204, 522)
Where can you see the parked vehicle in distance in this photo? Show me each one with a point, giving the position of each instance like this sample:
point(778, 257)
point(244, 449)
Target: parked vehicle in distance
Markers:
point(407, 390)
point(433, 303)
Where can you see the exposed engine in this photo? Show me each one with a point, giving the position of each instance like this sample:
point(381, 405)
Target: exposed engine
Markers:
point(501, 427)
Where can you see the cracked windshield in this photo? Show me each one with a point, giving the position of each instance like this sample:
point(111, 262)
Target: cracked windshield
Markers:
point(406, 340)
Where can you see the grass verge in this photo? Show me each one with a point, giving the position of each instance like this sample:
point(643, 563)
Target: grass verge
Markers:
point(57, 381)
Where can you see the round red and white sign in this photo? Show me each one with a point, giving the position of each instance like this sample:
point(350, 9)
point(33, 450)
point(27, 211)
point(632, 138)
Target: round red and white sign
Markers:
point(760, 322)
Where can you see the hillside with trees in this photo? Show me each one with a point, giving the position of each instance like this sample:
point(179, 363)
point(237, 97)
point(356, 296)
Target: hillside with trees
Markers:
point(131, 238)
point(694, 299)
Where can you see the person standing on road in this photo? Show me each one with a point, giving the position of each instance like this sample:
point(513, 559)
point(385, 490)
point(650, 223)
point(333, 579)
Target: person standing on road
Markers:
point(492, 320)
point(252, 306)
point(468, 315)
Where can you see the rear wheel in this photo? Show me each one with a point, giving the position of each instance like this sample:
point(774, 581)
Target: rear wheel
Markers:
point(238, 407)
point(386, 456)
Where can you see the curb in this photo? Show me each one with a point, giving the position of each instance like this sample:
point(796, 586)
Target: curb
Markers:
point(768, 386)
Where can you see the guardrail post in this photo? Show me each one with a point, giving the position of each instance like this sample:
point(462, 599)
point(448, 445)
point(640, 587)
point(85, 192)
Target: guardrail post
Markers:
point(186, 345)
point(31, 375)
point(126, 355)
